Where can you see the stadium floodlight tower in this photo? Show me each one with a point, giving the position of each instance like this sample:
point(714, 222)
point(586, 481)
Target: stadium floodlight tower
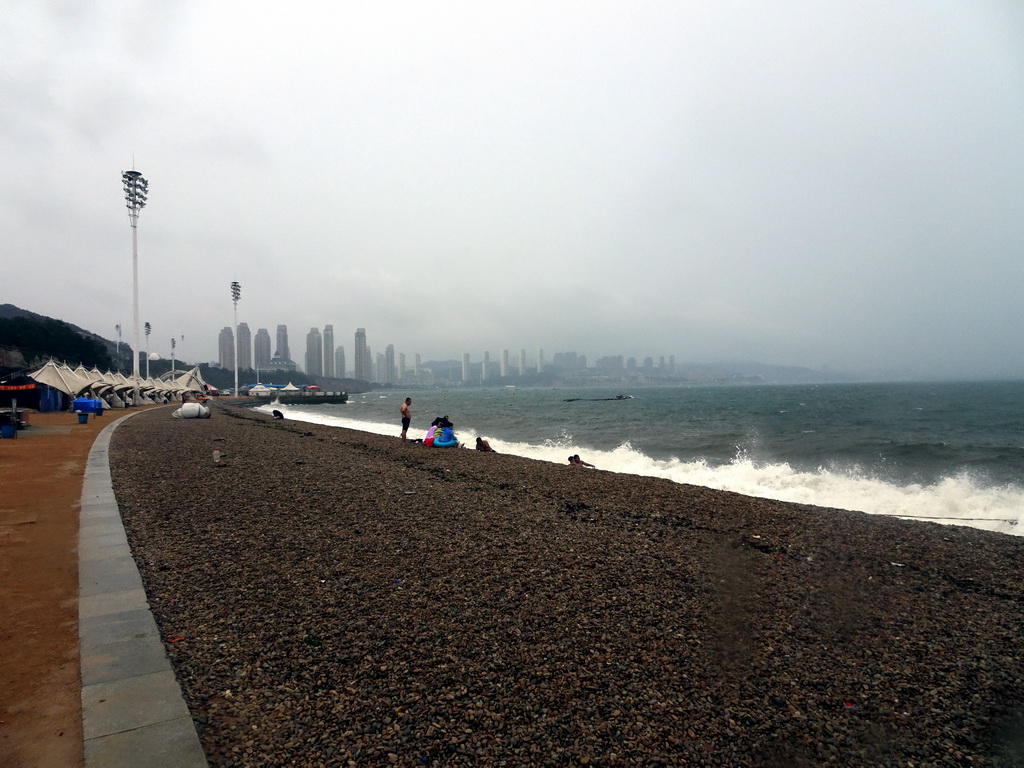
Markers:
point(135, 190)
point(149, 330)
point(236, 294)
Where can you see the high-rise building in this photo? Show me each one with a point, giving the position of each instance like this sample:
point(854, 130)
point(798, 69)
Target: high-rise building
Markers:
point(504, 363)
point(244, 347)
point(401, 367)
point(361, 362)
point(540, 360)
point(282, 343)
point(610, 364)
point(339, 363)
point(314, 353)
point(328, 352)
point(416, 367)
point(465, 367)
point(484, 365)
point(226, 348)
point(567, 361)
point(522, 361)
point(388, 374)
point(262, 351)
point(382, 365)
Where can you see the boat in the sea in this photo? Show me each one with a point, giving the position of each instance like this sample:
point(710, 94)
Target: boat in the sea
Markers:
point(598, 399)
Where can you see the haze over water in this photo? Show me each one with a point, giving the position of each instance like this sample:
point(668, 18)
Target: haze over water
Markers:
point(950, 453)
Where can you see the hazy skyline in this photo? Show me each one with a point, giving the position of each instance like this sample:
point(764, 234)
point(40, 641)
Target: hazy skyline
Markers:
point(797, 183)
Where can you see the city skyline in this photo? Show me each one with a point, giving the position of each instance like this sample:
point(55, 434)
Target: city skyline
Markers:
point(390, 365)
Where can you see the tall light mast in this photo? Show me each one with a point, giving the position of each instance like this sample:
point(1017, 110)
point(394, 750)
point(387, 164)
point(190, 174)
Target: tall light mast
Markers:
point(135, 190)
point(236, 294)
point(149, 330)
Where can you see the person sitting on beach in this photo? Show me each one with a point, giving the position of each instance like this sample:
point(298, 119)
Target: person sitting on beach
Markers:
point(483, 445)
point(445, 438)
point(576, 461)
point(431, 434)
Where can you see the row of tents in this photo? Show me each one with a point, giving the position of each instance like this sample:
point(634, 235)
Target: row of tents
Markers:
point(57, 385)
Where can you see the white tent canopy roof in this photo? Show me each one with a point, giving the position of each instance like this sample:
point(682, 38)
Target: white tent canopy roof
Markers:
point(60, 377)
point(80, 381)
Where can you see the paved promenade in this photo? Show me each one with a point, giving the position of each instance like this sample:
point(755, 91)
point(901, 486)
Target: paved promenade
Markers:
point(132, 709)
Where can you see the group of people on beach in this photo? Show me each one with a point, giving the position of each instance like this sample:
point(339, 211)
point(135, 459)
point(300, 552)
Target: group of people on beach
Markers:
point(441, 433)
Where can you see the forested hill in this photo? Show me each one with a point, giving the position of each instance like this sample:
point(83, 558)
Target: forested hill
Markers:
point(33, 338)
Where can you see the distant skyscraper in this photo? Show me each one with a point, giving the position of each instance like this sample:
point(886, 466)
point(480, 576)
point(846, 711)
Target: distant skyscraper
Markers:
point(484, 373)
point(263, 352)
point(282, 343)
point(339, 363)
point(416, 367)
point(226, 347)
point(465, 366)
point(361, 362)
point(382, 365)
point(401, 367)
point(522, 361)
point(244, 347)
point(328, 352)
point(388, 374)
point(504, 363)
point(314, 353)
point(540, 360)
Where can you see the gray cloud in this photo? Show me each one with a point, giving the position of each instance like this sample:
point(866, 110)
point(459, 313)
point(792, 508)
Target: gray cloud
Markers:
point(815, 184)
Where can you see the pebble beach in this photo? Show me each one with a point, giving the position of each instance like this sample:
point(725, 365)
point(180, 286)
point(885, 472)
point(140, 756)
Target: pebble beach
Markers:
point(329, 597)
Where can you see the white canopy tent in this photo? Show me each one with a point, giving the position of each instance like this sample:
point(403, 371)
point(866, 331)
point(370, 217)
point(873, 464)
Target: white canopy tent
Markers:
point(115, 389)
point(61, 378)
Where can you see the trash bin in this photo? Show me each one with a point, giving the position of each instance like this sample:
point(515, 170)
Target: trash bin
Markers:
point(8, 426)
point(83, 418)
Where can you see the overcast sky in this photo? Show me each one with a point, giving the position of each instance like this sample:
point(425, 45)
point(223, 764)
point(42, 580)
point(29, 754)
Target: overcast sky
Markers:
point(804, 183)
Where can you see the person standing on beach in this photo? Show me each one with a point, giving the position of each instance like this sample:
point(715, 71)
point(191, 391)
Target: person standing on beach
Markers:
point(406, 416)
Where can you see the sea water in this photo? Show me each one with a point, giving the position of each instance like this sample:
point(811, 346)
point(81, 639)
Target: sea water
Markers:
point(945, 452)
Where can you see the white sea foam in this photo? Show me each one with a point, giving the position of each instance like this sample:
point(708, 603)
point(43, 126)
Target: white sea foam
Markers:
point(959, 500)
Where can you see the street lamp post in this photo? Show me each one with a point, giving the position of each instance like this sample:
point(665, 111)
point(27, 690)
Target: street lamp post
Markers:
point(118, 328)
point(149, 329)
point(135, 190)
point(174, 343)
point(236, 294)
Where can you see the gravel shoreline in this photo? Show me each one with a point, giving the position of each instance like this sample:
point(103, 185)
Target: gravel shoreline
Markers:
point(332, 598)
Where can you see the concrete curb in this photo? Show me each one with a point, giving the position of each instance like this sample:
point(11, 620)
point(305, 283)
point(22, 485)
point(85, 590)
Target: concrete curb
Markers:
point(133, 712)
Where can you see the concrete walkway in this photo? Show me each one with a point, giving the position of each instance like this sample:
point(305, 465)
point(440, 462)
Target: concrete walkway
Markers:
point(133, 712)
